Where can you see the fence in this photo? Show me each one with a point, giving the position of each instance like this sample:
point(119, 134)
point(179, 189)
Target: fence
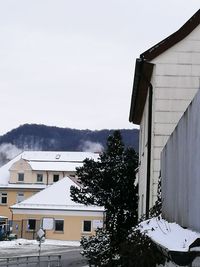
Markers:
point(32, 261)
point(23, 229)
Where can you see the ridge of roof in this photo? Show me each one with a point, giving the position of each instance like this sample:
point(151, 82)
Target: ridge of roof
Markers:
point(172, 39)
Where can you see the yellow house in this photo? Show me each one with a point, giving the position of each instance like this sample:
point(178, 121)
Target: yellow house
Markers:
point(70, 220)
point(32, 171)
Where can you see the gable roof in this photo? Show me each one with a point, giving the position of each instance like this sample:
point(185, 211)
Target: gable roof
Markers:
point(143, 72)
point(173, 39)
point(48, 161)
point(4, 170)
point(55, 197)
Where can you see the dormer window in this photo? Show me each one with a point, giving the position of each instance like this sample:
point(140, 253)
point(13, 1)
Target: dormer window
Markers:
point(20, 177)
point(39, 178)
point(58, 156)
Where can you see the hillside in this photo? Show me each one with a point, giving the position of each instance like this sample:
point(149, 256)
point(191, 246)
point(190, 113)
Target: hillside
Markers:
point(42, 137)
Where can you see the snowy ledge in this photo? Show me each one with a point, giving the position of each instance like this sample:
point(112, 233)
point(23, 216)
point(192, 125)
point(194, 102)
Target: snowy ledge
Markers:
point(169, 235)
point(178, 244)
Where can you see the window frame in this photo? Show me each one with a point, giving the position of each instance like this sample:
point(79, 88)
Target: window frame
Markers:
point(60, 220)
point(28, 229)
point(2, 196)
point(19, 174)
point(83, 228)
point(18, 197)
point(41, 176)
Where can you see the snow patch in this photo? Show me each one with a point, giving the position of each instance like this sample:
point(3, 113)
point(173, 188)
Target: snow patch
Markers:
point(25, 242)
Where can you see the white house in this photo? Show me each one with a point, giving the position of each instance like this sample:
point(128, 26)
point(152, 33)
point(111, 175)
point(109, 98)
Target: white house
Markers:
point(71, 220)
point(167, 76)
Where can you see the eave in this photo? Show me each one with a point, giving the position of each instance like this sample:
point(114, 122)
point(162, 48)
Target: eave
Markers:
point(142, 77)
point(173, 39)
point(144, 67)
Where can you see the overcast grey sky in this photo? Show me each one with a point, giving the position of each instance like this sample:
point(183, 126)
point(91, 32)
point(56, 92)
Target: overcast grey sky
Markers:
point(70, 63)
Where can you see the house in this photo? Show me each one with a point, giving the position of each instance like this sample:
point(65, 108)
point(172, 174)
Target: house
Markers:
point(177, 233)
point(70, 220)
point(166, 79)
point(32, 171)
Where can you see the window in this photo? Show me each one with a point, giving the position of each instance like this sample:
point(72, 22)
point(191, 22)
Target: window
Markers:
point(20, 177)
point(20, 197)
point(55, 178)
point(59, 225)
point(31, 224)
point(3, 198)
point(39, 178)
point(87, 226)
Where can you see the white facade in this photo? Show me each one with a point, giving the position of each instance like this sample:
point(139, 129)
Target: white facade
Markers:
point(175, 81)
point(180, 170)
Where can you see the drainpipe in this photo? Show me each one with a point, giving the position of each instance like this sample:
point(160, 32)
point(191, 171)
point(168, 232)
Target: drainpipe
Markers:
point(149, 149)
point(47, 177)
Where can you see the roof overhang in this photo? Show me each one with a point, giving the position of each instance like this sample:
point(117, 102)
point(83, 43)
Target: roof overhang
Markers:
point(142, 78)
point(143, 67)
point(173, 39)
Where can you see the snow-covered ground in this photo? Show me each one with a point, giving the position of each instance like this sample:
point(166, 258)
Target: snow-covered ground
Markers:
point(47, 242)
point(69, 251)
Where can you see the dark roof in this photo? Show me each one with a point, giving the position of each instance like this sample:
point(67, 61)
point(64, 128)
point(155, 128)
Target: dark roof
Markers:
point(138, 98)
point(143, 72)
point(173, 39)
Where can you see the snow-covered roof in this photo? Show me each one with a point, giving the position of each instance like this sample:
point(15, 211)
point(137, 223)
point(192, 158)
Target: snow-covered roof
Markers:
point(61, 156)
point(54, 166)
point(49, 161)
point(170, 236)
point(55, 197)
point(23, 186)
point(4, 170)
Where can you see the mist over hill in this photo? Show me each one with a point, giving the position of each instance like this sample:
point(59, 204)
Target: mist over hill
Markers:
point(42, 137)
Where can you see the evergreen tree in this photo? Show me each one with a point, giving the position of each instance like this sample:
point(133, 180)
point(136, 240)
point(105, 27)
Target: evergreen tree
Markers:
point(110, 182)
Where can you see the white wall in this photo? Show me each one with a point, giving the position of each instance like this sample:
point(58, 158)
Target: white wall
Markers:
point(175, 80)
point(180, 168)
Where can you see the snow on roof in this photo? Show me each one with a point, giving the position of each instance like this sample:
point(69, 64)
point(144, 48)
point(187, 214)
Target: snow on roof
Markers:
point(23, 186)
point(4, 170)
point(48, 160)
point(56, 196)
point(54, 166)
point(66, 156)
point(170, 236)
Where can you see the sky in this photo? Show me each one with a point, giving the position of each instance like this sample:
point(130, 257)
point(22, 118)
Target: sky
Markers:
point(70, 63)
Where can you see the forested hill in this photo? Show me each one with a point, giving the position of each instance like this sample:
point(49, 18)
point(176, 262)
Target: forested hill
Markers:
point(42, 137)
